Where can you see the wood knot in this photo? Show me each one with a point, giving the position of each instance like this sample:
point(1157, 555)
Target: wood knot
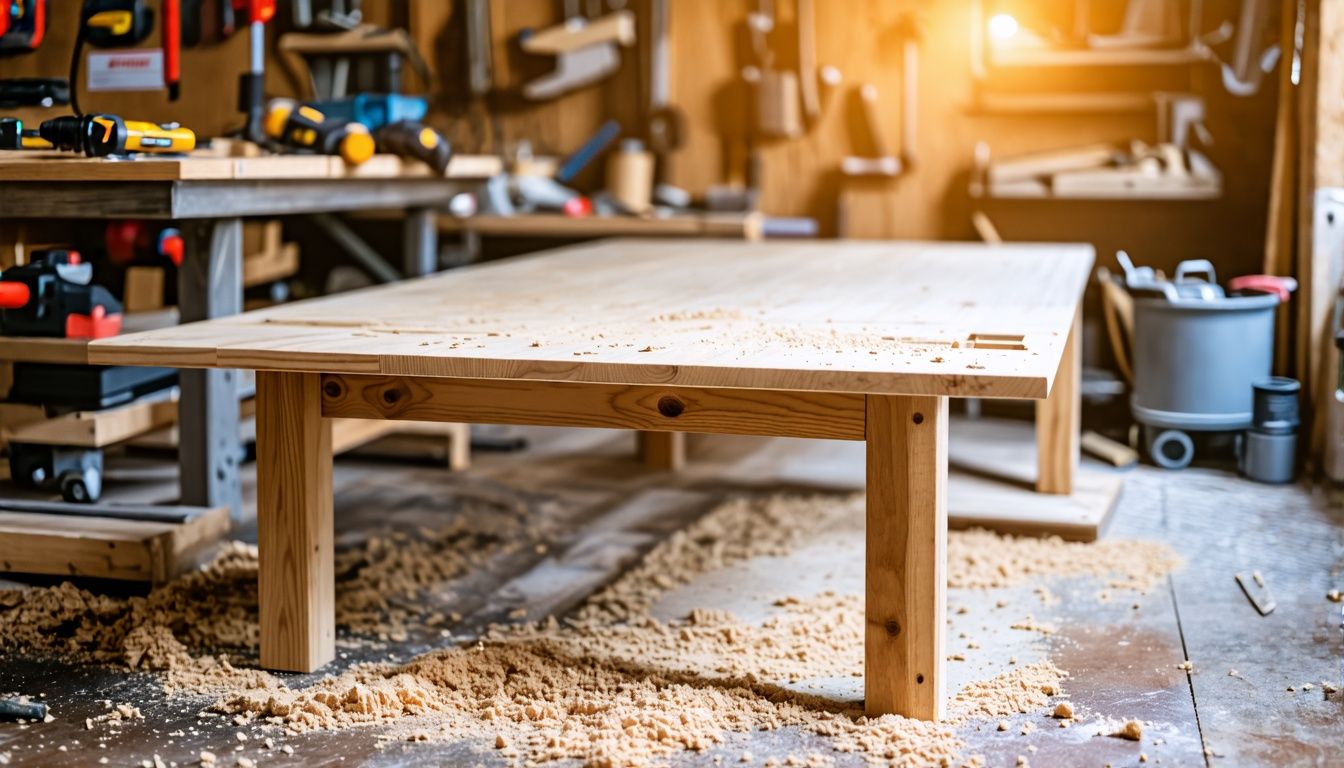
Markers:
point(332, 388)
point(893, 627)
point(393, 395)
point(918, 418)
point(670, 406)
point(919, 679)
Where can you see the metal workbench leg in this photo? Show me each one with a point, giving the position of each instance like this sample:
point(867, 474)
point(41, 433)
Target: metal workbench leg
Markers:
point(421, 242)
point(210, 284)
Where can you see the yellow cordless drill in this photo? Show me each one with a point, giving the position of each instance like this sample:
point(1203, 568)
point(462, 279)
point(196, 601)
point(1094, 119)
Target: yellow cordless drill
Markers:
point(103, 135)
point(302, 127)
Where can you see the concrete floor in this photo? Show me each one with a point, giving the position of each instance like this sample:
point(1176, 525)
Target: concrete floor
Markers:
point(597, 510)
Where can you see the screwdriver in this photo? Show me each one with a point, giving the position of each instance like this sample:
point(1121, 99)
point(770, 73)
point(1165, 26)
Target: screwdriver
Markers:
point(103, 135)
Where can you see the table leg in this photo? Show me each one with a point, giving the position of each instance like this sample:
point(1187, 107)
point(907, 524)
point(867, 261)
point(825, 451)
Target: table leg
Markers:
point(421, 242)
point(1059, 421)
point(210, 284)
point(296, 578)
point(906, 576)
point(663, 450)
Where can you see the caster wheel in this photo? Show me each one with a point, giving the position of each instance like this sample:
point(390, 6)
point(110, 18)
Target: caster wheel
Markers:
point(1172, 449)
point(81, 487)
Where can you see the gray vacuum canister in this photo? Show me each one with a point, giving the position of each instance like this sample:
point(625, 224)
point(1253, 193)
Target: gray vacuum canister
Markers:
point(1269, 450)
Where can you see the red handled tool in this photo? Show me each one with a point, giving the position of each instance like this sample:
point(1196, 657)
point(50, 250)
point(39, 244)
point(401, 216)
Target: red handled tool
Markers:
point(171, 35)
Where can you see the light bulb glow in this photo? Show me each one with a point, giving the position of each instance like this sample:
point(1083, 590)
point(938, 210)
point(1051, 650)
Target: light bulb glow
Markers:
point(1003, 26)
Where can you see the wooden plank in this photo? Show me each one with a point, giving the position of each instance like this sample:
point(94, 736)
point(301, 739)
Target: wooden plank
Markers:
point(889, 318)
point(663, 450)
point(64, 167)
point(296, 576)
point(268, 267)
point(675, 409)
point(37, 349)
point(992, 484)
point(906, 540)
point(1059, 420)
point(746, 227)
point(104, 547)
point(97, 429)
point(144, 289)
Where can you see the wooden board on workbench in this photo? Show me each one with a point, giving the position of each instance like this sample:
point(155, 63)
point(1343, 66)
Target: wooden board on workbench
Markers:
point(729, 225)
point(107, 547)
point(44, 166)
point(893, 318)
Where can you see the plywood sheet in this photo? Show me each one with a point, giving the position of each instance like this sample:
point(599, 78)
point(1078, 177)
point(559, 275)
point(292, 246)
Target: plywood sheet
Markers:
point(893, 318)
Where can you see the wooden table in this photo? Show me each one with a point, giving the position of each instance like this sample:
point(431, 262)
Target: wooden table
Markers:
point(826, 339)
point(207, 196)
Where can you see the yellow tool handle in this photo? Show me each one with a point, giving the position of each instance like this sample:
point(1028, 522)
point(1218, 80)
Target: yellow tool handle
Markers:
point(148, 137)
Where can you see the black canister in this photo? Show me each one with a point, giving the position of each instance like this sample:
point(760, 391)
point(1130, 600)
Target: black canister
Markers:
point(1274, 407)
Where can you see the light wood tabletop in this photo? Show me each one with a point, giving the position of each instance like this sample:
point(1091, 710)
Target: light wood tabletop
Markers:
point(207, 166)
point(824, 339)
point(890, 318)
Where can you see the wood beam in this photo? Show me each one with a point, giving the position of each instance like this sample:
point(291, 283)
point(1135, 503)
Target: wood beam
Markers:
point(836, 416)
point(296, 575)
point(1059, 421)
point(906, 570)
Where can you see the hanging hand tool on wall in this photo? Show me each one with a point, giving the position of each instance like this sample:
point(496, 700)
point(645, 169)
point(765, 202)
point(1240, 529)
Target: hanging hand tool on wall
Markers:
point(777, 100)
point(23, 24)
point(107, 24)
point(251, 84)
point(585, 51)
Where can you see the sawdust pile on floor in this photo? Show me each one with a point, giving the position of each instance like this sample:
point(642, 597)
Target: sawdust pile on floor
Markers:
point(380, 583)
point(737, 530)
point(610, 685)
point(980, 559)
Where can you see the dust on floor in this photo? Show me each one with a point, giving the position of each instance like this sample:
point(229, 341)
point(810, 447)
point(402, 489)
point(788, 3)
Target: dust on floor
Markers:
point(609, 684)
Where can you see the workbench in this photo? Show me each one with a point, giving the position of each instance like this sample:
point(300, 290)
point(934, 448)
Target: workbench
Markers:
point(207, 196)
point(826, 339)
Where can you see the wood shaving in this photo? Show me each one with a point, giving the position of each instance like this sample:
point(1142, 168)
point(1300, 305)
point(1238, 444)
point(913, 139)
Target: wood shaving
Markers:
point(609, 686)
point(1131, 730)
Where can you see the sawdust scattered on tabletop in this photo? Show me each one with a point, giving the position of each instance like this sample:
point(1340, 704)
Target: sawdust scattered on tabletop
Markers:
point(610, 685)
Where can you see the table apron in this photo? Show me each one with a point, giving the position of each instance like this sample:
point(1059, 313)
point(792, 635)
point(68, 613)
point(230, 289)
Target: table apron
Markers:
point(826, 415)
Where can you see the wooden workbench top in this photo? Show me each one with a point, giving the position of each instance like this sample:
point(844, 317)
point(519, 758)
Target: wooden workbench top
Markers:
point(208, 166)
point(897, 318)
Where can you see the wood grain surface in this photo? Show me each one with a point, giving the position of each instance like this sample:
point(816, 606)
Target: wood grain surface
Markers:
point(296, 577)
point(906, 576)
point(612, 406)
point(889, 318)
point(61, 166)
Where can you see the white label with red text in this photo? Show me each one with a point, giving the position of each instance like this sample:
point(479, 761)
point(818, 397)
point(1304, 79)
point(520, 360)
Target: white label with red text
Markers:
point(140, 70)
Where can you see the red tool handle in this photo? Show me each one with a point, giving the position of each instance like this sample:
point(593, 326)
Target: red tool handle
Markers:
point(14, 295)
point(172, 46)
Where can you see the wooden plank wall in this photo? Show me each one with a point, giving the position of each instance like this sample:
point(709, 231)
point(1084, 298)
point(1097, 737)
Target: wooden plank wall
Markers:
point(709, 46)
